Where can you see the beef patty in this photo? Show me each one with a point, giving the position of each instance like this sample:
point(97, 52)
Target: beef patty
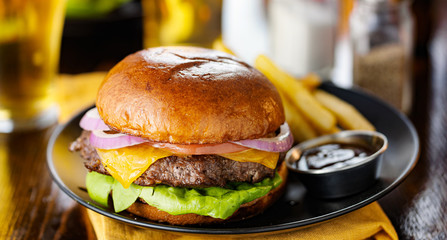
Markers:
point(182, 171)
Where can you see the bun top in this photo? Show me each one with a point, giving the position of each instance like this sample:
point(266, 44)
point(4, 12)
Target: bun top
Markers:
point(187, 95)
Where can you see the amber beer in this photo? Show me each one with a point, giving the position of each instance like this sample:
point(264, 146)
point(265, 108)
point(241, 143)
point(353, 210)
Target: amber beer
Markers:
point(181, 22)
point(30, 34)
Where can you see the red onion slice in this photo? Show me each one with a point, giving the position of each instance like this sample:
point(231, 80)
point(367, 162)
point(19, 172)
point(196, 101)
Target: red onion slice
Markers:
point(281, 143)
point(102, 140)
point(201, 149)
point(92, 121)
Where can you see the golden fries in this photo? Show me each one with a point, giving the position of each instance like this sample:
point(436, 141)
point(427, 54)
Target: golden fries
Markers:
point(348, 117)
point(331, 131)
point(300, 128)
point(320, 117)
point(311, 112)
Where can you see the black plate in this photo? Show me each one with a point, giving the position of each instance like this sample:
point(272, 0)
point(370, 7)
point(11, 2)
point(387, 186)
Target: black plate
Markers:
point(296, 208)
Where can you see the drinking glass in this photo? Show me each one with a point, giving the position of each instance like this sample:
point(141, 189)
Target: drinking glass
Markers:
point(181, 22)
point(30, 35)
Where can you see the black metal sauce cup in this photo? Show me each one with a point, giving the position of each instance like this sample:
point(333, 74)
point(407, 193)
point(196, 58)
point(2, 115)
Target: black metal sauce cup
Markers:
point(345, 180)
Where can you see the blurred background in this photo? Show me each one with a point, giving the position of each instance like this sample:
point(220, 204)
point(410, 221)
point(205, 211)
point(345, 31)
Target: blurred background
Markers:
point(380, 46)
point(372, 44)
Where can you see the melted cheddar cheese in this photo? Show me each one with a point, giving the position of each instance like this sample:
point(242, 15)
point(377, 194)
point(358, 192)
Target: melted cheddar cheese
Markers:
point(268, 159)
point(128, 163)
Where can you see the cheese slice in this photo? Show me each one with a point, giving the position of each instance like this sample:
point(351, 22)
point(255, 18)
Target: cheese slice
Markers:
point(268, 159)
point(128, 163)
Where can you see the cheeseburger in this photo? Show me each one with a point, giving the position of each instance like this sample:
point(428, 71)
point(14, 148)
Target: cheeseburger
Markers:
point(185, 135)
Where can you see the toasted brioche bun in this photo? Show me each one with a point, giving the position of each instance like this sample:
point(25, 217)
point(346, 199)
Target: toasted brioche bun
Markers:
point(245, 211)
point(188, 95)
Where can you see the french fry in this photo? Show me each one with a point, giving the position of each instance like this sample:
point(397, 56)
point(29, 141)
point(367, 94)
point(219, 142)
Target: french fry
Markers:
point(332, 131)
point(348, 117)
point(300, 128)
point(320, 117)
point(219, 45)
point(310, 81)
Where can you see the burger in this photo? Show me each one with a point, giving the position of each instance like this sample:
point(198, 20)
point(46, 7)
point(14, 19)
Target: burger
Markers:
point(186, 136)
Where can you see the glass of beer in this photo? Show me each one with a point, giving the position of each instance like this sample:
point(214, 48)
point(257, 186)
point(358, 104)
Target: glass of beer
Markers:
point(30, 36)
point(181, 22)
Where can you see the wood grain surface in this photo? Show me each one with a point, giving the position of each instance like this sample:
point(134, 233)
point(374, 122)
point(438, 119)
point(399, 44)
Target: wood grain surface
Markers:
point(418, 207)
point(31, 205)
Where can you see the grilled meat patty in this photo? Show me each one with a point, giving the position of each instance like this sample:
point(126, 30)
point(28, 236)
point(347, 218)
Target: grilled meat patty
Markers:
point(182, 171)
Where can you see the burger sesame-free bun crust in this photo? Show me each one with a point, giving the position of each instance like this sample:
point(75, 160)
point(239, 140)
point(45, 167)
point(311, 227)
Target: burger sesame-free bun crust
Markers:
point(246, 210)
point(188, 95)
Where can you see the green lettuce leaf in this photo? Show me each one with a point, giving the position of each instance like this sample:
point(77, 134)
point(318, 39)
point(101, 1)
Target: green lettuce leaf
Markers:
point(99, 187)
point(122, 197)
point(216, 202)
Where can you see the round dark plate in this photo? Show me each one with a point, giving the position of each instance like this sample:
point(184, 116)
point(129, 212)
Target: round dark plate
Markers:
point(296, 208)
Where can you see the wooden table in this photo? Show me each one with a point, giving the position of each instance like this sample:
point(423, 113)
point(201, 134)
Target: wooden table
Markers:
point(418, 207)
point(33, 207)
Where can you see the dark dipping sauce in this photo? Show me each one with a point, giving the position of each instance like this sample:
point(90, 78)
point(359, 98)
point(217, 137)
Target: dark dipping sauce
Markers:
point(332, 156)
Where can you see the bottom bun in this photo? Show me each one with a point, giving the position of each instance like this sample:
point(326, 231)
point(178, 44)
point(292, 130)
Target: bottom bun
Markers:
point(246, 210)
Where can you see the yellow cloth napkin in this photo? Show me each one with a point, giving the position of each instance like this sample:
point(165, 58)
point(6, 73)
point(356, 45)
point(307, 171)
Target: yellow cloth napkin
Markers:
point(76, 92)
point(369, 222)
